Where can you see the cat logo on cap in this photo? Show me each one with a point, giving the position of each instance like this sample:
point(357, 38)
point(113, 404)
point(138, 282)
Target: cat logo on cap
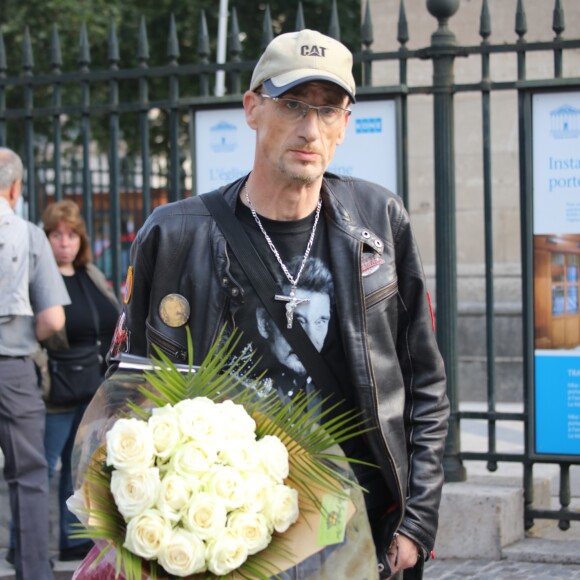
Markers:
point(174, 310)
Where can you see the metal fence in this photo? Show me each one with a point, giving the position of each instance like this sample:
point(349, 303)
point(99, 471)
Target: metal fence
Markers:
point(59, 113)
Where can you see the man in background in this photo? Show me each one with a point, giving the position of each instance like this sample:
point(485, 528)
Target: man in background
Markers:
point(32, 295)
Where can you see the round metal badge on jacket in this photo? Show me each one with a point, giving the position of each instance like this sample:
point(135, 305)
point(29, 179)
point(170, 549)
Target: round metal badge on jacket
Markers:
point(174, 310)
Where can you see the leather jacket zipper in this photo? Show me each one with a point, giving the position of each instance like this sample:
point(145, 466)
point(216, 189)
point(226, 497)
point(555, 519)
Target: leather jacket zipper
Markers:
point(167, 346)
point(382, 293)
point(371, 300)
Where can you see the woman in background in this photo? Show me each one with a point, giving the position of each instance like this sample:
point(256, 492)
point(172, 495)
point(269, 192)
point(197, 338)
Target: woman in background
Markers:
point(90, 321)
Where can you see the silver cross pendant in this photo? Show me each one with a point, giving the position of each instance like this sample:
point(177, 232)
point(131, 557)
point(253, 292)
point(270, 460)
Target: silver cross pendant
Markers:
point(291, 303)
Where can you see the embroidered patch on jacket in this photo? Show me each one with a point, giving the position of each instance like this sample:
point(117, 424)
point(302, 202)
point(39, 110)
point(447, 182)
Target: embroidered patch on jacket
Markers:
point(128, 285)
point(370, 264)
point(120, 342)
point(431, 310)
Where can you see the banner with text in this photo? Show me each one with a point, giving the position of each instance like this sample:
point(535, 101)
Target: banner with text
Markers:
point(556, 232)
point(225, 146)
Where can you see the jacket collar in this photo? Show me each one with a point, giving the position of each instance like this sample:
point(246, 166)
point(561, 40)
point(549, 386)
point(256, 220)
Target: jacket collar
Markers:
point(338, 207)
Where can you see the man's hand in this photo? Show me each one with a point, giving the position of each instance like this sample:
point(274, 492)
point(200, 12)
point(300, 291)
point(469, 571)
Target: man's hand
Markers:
point(403, 553)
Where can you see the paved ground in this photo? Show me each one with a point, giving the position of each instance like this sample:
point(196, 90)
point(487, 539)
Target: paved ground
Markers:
point(435, 570)
point(62, 570)
point(498, 570)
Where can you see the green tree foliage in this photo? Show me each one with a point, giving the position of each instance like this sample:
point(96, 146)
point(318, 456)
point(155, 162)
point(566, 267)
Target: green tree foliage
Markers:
point(97, 15)
point(69, 16)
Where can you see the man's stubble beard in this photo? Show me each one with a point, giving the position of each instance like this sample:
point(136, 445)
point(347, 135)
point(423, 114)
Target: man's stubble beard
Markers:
point(301, 178)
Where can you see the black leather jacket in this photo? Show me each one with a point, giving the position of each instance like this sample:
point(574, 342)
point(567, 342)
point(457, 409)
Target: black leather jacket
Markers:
point(385, 321)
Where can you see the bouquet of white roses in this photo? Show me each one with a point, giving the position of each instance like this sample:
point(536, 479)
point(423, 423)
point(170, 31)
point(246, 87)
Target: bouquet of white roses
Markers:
point(197, 474)
point(196, 487)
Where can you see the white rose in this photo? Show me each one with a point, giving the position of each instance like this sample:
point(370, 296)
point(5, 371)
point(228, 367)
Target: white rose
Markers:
point(205, 516)
point(274, 457)
point(252, 528)
point(193, 458)
point(258, 486)
point(227, 484)
point(130, 445)
point(226, 553)
point(183, 554)
point(165, 431)
point(147, 534)
point(174, 493)
point(135, 491)
point(282, 507)
point(198, 419)
point(77, 505)
point(237, 422)
point(242, 454)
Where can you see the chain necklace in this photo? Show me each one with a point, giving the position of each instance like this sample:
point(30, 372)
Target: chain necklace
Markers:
point(291, 300)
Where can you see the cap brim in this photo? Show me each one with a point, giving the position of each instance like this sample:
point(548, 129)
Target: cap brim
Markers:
point(281, 84)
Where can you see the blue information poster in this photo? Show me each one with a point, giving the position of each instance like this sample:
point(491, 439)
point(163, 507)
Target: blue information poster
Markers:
point(557, 403)
point(556, 233)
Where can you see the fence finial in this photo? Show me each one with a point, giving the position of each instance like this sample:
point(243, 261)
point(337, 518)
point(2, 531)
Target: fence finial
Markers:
point(203, 53)
point(172, 43)
point(402, 25)
point(235, 46)
point(27, 58)
point(267, 34)
point(300, 22)
point(84, 48)
point(202, 37)
point(521, 20)
point(443, 10)
point(113, 45)
point(334, 26)
point(558, 25)
point(367, 27)
point(3, 66)
point(235, 52)
point(55, 53)
point(142, 42)
point(485, 21)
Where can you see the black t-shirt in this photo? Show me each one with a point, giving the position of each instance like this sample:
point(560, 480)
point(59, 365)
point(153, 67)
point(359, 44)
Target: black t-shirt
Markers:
point(319, 318)
point(80, 321)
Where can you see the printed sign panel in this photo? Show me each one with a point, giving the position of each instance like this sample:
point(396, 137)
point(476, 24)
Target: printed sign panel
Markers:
point(225, 146)
point(556, 183)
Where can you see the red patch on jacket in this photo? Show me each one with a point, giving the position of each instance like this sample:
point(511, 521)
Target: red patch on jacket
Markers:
point(431, 310)
point(120, 342)
point(370, 264)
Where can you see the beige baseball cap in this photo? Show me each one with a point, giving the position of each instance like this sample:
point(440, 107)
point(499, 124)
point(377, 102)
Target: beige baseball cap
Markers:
point(295, 58)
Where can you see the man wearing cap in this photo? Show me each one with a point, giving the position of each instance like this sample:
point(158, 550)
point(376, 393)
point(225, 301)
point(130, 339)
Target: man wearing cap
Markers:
point(379, 348)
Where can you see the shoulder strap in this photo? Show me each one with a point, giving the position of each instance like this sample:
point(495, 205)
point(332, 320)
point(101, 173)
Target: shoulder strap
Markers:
point(266, 288)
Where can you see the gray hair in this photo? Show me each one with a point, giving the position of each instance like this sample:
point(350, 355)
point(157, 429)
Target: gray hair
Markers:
point(11, 168)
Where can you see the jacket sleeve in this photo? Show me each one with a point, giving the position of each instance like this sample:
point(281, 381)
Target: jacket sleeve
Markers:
point(426, 406)
point(130, 333)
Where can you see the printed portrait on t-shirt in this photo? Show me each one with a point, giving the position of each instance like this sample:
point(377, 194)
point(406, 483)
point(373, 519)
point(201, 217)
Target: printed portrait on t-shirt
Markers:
point(277, 365)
